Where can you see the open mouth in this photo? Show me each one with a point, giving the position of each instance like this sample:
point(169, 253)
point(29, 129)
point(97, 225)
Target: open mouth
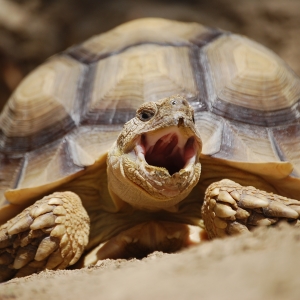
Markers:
point(168, 149)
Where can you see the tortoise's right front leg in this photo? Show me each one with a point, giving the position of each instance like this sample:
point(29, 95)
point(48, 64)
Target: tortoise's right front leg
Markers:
point(50, 234)
point(230, 208)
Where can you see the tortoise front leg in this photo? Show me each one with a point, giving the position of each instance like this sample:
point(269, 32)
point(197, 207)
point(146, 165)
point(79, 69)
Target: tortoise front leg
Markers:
point(50, 234)
point(230, 208)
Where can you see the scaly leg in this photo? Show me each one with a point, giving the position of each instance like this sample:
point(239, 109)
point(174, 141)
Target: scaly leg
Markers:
point(50, 234)
point(230, 208)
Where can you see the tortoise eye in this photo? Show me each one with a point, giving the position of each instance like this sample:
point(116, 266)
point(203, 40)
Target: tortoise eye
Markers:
point(146, 111)
point(146, 115)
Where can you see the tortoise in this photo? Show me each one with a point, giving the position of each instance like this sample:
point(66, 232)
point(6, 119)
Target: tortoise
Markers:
point(194, 100)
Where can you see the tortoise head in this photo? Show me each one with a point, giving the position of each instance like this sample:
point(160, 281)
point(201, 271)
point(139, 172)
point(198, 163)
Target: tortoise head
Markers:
point(154, 163)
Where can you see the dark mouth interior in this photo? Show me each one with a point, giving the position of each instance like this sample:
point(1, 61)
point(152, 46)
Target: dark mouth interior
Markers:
point(166, 153)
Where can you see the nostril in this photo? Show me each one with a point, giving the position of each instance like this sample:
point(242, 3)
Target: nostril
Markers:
point(180, 122)
point(179, 101)
point(184, 102)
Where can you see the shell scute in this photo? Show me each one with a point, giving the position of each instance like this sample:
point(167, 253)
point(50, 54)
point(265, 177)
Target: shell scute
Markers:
point(249, 82)
point(143, 31)
point(41, 109)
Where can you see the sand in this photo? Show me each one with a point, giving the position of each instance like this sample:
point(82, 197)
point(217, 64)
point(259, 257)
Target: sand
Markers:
point(262, 265)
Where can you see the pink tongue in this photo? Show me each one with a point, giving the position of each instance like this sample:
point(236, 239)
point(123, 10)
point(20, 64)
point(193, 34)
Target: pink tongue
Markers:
point(165, 145)
point(161, 155)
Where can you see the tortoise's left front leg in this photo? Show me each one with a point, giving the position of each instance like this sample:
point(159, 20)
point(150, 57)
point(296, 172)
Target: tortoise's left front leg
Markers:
point(50, 234)
point(230, 208)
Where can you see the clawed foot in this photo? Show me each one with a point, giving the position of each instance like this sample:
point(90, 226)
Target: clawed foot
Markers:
point(230, 208)
point(50, 234)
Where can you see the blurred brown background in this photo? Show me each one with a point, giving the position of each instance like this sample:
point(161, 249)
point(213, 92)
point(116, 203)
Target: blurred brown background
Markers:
point(32, 30)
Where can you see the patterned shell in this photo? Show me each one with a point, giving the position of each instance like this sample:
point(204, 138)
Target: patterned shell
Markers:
point(68, 112)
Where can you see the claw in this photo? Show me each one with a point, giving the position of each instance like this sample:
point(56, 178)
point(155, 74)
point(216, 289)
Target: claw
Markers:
point(32, 267)
point(24, 256)
point(58, 231)
point(225, 197)
point(46, 247)
point(54, 260)
point(296, 208)
point(40, 210)
point(60, 220)
point(64, 240)
point(250, 201)
point(55, 201)
point(21, 225)
point(59, 210)
point(46, 220)
point(214, 192)
point(236, 195)
point(264, 222)
point(224, 211)
point(277, 209)
point(235, 228)
point(241, 214)
point(77, 255)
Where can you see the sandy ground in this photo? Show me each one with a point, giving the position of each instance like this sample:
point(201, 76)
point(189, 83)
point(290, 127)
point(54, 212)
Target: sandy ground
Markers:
point(262, 265)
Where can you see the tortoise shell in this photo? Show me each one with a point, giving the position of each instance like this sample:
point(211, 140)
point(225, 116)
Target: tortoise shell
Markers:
point(68, 112)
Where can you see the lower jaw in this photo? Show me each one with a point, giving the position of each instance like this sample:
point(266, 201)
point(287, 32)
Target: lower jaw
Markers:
point(169, 186)
point(143, 239)
point(145, 190)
